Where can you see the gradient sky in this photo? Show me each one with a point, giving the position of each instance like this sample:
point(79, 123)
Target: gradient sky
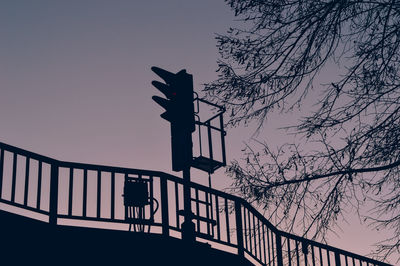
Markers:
point(75, 82)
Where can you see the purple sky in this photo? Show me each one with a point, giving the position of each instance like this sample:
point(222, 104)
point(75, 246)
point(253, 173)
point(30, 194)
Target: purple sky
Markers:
point(75, 82)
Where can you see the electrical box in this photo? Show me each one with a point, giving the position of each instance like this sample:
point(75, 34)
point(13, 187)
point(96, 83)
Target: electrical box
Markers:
point(136, 193)
point(139, 202)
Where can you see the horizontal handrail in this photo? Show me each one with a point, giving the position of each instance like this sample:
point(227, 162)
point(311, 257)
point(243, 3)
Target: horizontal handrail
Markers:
point(330, 248)
point(27, 153)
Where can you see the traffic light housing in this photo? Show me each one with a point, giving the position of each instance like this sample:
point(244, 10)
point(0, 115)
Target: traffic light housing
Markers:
point(179, 111)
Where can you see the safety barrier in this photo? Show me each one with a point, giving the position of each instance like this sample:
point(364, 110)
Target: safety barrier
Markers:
point(86, 192)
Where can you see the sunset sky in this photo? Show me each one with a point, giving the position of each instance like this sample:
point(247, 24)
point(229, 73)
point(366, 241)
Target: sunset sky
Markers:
point(75, 83)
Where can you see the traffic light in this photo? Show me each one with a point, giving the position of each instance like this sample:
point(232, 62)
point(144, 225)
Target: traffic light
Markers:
point(178, 88)
point(179, 111)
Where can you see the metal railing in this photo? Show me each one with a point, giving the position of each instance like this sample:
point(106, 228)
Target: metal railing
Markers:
point(86, 192)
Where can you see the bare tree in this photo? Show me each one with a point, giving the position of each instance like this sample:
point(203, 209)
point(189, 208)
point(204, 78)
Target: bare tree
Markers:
point(273, 64)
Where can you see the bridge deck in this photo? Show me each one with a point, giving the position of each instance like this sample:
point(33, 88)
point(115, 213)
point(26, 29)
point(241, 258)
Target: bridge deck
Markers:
point(27, 241)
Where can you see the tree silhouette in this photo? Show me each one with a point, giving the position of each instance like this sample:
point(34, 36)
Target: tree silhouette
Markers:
point(274, 63)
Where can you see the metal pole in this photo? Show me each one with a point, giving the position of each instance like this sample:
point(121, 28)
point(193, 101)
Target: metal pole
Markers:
point(187, 225)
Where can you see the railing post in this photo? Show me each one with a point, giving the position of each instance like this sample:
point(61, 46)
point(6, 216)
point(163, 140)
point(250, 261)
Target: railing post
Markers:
point(164, 206)
point(279, 257)
point(239, 228)
point(337, 258)
point(53, 194)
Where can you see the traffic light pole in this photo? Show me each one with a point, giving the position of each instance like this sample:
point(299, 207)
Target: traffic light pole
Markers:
point(188, 232)
point(179, 111)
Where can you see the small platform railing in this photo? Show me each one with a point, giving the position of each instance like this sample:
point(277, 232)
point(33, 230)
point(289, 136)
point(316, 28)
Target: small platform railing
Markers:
point(67, 191)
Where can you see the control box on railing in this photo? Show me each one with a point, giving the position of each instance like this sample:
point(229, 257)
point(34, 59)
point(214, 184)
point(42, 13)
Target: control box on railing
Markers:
point(139, 201)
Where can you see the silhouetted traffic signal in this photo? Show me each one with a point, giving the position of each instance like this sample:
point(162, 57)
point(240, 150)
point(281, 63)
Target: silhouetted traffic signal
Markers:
point(179, 111)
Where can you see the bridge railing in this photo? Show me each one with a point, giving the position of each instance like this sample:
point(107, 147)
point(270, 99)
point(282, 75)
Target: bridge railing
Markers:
point(85, 192)
point(22, 172)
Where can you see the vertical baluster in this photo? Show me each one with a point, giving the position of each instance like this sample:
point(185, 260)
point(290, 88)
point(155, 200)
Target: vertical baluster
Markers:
point(178, 224)
point(272, 248)
point(85, 188)
point(53, 194)
point(269, 248)
point(1, 171)
point(279, 257)
point(329, 259)
point(337, 259)
point(312, 255)
point(39, 186)
point(239, 228)
point(207, 211)
point(127, 209)
point(228, 235)
point(320, 257)
point(250, 239)
point(210, 149)
point(132, 214)
point(265, 248)
point(259, 238)
point(212, 214)
point(289, 255)
point(304, 247)
point(255, 236)
point(26, 186)
point(142, 213)
point(151, 197)
point(14, 177)
point(71, 190)
point(217, 216)
point(245, 228)
point(98, 214)
point(297, 253)
point(197, 209)
point(164, 206)
point(221, 124)
point(112, 195)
